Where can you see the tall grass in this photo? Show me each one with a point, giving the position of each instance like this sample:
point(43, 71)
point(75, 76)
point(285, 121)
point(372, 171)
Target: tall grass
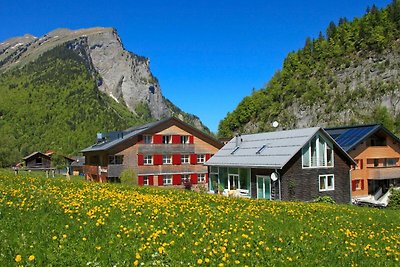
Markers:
point(55, 222)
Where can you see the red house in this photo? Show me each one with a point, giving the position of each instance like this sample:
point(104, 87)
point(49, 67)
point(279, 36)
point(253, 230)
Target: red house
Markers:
point(162, 153)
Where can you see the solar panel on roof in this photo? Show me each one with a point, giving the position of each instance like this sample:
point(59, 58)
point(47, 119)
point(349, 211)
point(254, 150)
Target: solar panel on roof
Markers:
point(352, 136)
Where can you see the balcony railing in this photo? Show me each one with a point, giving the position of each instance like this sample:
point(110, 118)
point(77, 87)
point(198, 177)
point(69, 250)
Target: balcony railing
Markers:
point(96, 170)
point(384, 173)
point(166, 148)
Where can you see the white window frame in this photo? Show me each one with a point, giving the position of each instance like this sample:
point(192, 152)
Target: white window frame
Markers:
point(184, 139)
point(201, 177)
point(358, 184)
point(201, 158)
point(167, 179)
point(147, 160)
point(167, 159)
point(332, 188)
point(146, 180)
point(318, 156)
point(185, 159)
point(167, 139)
point(147, 139)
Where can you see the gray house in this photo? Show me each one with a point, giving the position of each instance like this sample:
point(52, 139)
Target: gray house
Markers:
point(299, 164)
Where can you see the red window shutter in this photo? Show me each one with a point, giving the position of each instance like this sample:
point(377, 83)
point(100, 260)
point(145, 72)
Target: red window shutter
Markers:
point(206, 177)
point(191, 139)
point(151, 180)
point(193, 178)
point(361, 163)
point(176, 159)
point(208, 156)
point(140, 180)
point(157, 139)
point(176, 179)
point(354, 185)
point(140, 159)
point(176, 139)
point(193, 159)
point(160, 180)
point(157, 159)
point(362, 184)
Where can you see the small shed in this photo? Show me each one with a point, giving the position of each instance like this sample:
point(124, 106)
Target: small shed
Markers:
point(38, 161)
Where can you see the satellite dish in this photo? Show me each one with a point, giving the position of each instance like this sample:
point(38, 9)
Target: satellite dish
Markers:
point(275, 124)
point(274, 176)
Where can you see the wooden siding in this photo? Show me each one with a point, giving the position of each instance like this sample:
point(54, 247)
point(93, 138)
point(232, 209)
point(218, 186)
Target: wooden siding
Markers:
point(362, 152)
point(298, 183)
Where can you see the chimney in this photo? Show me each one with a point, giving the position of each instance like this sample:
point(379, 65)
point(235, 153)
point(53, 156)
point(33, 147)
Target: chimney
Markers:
point(238, 139)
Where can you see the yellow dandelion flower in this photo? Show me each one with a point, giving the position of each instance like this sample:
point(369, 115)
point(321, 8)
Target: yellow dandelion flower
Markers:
point(31, 258)
point(136, 263)
point(199, 261)
point(18, 258)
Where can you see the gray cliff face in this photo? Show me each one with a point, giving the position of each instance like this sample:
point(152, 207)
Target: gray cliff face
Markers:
point(125, 76)
point(120, 74)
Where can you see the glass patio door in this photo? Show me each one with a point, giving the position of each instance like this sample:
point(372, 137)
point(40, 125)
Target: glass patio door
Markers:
point(233, 181)
point(263, 187)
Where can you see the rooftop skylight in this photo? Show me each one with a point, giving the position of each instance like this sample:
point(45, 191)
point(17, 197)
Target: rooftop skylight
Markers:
point(261, 149)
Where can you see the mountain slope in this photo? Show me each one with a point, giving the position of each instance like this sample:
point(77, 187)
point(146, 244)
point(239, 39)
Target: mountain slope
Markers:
point(57, 91)
point(349, 76)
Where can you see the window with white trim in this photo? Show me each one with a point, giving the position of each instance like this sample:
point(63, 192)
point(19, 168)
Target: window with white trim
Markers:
point(184, 178)
point(317, 153)
point(167, 179)
point(326, 182)
point(184, 139)
point(146, 180)
point(147, 139)
point(167, 159)
point(201, 158)
point(148, 160)
point(201, 178)
point(166, 139)
point(185, 159)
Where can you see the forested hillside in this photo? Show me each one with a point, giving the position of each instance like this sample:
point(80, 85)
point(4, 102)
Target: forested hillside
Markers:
point(348, 75)
point(53, 103)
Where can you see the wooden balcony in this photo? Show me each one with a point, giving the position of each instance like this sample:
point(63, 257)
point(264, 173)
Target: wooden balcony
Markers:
point(96, 170)
point(384, 173)
point(166, 149)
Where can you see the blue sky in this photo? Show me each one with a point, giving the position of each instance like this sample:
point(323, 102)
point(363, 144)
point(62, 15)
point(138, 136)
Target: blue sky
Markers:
point(207, 55)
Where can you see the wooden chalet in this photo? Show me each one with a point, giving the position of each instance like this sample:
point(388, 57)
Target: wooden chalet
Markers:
point(300, 164)
point(38, 161)
point(376, 151)
point(163, 153)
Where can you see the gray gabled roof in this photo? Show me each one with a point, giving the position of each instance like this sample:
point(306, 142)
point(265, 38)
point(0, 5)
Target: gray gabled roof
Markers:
point(120, 137)
point(123, 136)
point(271, 150)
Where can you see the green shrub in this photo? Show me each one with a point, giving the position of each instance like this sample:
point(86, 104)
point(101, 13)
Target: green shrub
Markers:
point(394, 199)
point(129, 176)
point(325, 199)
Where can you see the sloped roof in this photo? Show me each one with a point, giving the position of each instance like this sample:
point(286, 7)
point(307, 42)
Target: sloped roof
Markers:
point(263, 150)
point(36, 153)
point(134, 131)
point(349, 136)
point(129, 133)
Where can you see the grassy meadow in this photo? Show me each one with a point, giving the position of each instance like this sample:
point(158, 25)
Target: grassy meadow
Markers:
point(55, 222)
